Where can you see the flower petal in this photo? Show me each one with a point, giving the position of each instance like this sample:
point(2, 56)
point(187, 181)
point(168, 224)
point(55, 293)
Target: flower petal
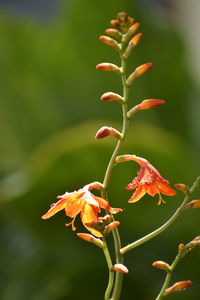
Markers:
point(89, 215)
point(61, 204)
point(139, 193)
point(105, 205)
point(165, 189)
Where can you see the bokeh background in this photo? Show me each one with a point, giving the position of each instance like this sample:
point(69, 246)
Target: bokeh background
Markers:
point(50, 112)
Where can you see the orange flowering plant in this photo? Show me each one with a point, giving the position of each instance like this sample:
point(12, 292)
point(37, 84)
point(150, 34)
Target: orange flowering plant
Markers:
point(122, 38)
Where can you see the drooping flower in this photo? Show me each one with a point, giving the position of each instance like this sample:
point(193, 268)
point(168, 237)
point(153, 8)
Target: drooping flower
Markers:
point(83, 202)
point(148, 180)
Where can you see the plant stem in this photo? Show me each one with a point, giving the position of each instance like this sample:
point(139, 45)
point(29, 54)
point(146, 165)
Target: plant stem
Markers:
point(165, 225)
point(111, 273)
point(168, 276)
point(116, 236)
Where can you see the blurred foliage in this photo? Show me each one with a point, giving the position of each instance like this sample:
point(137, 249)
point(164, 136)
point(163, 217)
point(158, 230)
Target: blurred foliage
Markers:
point(49, 115)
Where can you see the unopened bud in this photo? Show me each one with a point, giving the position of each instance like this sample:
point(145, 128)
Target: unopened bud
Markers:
point(110, 96)
point(182, 187)
point(161, 265)
point(91, 239)
point(194, 243)
point(150, 103)
point(113, 32)
point(132, 44)
point(120, 268)
point(138, 72)
point(178, 286)
point(131, 31)
point(193, 204)
point(110, 42)
point(108, 67)
point(110, 227)
point(145, 104)
point(181, 247)
point(106, 131)
point(115, 24)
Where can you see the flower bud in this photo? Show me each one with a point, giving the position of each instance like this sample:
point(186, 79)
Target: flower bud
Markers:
point(91, 239)
point(131, 31)
point(194, 243)
point(115, 24)
point(145, 104)
point(120, 268)
point(178, 286)
point(106, 131)
point(113, 32)
point(132, 44)
point(181, 247)
point(138, 72)
point(110, 96)
point(182, 187)
point(193, 204)
point(110, 227)
point(161, 265)
point(110, 42)
point(108, 67)
point(150, 103)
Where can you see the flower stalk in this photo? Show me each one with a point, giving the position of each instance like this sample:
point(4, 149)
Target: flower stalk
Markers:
point(156, 232)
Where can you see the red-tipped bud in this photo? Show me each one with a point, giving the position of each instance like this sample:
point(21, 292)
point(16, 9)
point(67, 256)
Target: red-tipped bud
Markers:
point(106, 131)
point(161, 265)
point(120, 268)
point(113, 32)
point(108, 67)
point(178, 286)
point(115, 24)
point(145, 104)
point(91, 239)
point(110, 42)
point(110, 227)
point(110, 96)
point(131, 31)
point(181, 247)
point(132, 44)
point(138, 72)
point(193, 204)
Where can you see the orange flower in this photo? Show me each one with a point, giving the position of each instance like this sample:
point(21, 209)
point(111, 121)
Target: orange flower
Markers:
point(83, 202)
point(148, 180)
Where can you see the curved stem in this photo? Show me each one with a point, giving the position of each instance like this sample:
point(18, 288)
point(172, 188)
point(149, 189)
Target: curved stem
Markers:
point(165, 225)
point(116, 236)
point(111, 273)
point(168, 276)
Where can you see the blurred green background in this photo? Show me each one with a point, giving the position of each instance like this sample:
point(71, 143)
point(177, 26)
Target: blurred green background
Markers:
point(50, 112)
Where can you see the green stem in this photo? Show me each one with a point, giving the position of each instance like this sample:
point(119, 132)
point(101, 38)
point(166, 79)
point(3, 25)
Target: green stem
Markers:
point(111, 273)
point(116, 236)
point(165, 225)
point(168, 276)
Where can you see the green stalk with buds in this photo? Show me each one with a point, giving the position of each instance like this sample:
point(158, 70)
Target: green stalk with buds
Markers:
point(123, 39)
